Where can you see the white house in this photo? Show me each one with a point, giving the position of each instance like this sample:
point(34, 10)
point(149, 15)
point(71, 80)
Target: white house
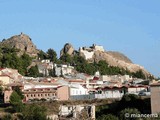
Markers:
point(63, 69)
point(78, 90)
point(109, 92)
point(137, 89)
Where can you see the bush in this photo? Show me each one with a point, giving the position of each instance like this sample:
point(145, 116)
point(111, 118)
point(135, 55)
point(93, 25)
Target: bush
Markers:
point(16, 102)
point(7, 117)
point(34, 112)
point(43, 99)
point(107, 117)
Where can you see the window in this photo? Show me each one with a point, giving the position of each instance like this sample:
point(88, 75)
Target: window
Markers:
point(100, 92)
point(69, 108)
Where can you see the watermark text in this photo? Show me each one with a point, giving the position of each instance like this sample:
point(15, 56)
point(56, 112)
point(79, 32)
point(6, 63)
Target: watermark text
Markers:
point(130, 115)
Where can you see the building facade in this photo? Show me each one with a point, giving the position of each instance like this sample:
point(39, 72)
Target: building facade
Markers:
point(40, 94)
point(155, 98)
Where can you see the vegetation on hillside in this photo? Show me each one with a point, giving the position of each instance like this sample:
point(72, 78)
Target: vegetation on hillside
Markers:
point(106, 109)
point(18, 110)
point(102, 66)
point(10, 59)
point(130, 104)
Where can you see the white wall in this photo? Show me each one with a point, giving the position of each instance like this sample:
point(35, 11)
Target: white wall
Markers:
point(109, 94)
point(30, 86)
point(99, 48)
point(88, 55)
point(138, 89)
point(78, 90)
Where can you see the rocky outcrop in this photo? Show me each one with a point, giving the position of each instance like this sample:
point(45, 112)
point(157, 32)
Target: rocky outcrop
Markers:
point(119, 56)
point(22, 42)
point(67, 49)
point(114, 61)
point(112, 58)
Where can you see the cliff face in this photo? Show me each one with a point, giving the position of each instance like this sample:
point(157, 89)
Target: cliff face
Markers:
point(23, 43)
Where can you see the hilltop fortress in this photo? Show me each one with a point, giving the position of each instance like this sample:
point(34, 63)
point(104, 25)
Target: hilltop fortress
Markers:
point(88, 52)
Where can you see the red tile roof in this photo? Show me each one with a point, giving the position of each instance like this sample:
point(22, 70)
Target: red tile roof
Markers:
point(96, 78)
point(2, 68)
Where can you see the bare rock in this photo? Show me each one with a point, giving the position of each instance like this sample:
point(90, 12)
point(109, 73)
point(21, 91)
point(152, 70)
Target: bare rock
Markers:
point(112, 58)
point(22, 42)
point(67, 49)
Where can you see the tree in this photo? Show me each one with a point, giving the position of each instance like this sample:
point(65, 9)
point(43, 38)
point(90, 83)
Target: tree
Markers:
point(133, 101)
point(66, 58)
point(42, 55)
point(33, 71)
point(1, 90)
point(19, 92)
point(107, 117)
point(129, 97)
point(34, 112)
point(26, 59)
point(52, 55)
point(9, 58)
point(103, 67)
point(52, 72)
point(89, 68)
point(139, 74)
point(1, 94)
point(16, 102)
point(78, 60)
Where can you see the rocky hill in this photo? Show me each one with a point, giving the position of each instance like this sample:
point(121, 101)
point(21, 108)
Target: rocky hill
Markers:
point(93, 53)
point(119, 56)
point(22, 42)
point(97, 53)
point(113, 60)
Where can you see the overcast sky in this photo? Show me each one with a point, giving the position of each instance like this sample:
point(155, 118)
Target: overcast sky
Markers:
point(128, 26)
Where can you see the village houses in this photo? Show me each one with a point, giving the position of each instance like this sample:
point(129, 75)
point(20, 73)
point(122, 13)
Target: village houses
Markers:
point(71, 86)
